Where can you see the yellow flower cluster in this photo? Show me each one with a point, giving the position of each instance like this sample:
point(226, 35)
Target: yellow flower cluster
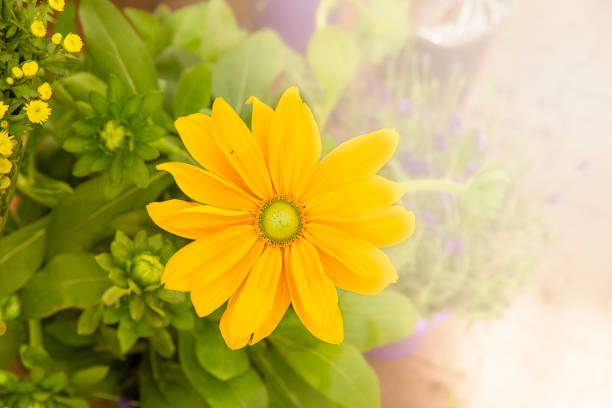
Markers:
point(6, 149)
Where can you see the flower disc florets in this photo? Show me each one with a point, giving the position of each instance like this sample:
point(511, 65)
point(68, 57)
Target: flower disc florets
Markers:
point(280, 221)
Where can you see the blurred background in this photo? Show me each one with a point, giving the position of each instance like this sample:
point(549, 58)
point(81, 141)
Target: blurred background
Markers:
point(504, 109)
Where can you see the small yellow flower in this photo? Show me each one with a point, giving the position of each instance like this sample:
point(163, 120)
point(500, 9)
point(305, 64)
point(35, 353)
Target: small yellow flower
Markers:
point(73, 43)
point(6, 144)
point(4, 124)
point(5, 165)
point(45, 91)
point(280, 226)
point(10, 81)
point(56, 38)
point(57, 5)
point(38, 111)
point(38, 28)
point(30, 68)
point(17, 72)
point(3, 108)
point(5, 182)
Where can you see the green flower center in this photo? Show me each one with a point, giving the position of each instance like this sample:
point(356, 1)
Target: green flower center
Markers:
point(147, 269)
point(113, 135)
point(280, 221)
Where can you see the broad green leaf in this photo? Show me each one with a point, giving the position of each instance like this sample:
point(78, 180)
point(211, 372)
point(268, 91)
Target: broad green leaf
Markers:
point(10, 342)
point(287, 389)
point(64, 330)
point(248, 69)
point(21, 254)
point(84, 217)
point(337, 371)
point(371, 321)
point(68, 280)
point(333, 56)
point(34, 356)
point(172, 389)
point(64, 21)
point(162, 343)
point(193, 91)
point(156, 37)
point(114, 47)
point(207, 29)
point(80, 84)
point(245, 391)
point(89, 376)
point(43, 189)
point(214, 355)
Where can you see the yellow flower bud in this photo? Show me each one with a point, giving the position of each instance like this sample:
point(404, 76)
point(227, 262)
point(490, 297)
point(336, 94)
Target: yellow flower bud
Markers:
point(3, 108)
point(30, 68)
point(56, 38)
point(5, 165)
point(17, 72)
point(45, 91)
point(73, 43)
point(38, 28)
point(10, 81)
point(5, 182)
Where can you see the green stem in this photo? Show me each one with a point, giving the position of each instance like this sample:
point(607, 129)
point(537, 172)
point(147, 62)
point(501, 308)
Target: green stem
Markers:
point(35, 334)
point(439, 185)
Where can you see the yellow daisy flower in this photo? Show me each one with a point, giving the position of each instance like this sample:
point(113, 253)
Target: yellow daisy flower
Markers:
point(5, 165)
point(17, 72)
point(45, 91)
point(6, 143)
point(73, 43)
point(38, 28)
point(38, 111)
point(56, 38)
point(57, 5)
point(3, 109)
point(30, 68)
point(273, 225)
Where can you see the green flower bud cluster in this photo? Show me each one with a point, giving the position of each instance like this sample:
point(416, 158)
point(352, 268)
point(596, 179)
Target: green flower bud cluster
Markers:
point(114, 135)
point(10, 309)
point(136, 302)
point(50, 391)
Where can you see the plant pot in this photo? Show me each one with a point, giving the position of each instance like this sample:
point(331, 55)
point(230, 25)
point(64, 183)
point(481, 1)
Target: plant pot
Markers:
point(294, 20)
point(409, 345)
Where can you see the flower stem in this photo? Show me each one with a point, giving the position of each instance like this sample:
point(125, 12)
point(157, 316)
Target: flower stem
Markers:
point(35, 334)
point(439, 185)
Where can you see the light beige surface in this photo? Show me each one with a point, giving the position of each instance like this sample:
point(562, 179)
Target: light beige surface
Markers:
point(546, 77)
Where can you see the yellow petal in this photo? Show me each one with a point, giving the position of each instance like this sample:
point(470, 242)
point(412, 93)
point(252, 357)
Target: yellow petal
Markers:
point(362, 155)
point(333, 331)
point(232, 342)
point(196, 132)
point(383, 228)
point(256, 299)
point(294, 145)
point(356, 197)
point(316, 291)
point(367, 269)
point(260, 123)
point(281, 303)
point(192, 220)
point(202, 261)
point(207, 298)
point(240, 148)
point(205, 187)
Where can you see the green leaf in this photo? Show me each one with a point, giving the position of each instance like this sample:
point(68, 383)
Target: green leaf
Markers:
point(71, 402)
point(114, 46)
point(155, 37)
point(337, 371)
point(162, 343)
point(84, 217)
point(193, 91)
point(146, 152)
point(34, 356)
point(89, 320)
point(245, 391)
point(136, 306)
point(81, 84)
point(138, 172)
point(214, 355)
point(333, 56)
point(65, 331)
point(10, 342)
point(89, 376)
point(173, 389)
point(54, 382)
point(372, 321)
point(99, 103)
point(126, 335)
point(21, 254)
point(43, 189)
point(286, 388)
point(242, 71)
point(68, 280)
